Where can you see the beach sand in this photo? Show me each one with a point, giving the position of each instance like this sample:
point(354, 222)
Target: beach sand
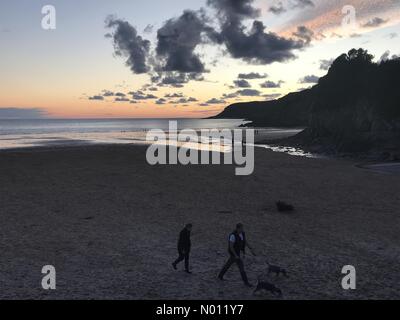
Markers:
point(109, 222)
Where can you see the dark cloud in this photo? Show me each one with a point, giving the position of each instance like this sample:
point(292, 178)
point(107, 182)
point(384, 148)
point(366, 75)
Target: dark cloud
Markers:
point(161, 101)
point(148, 29)
point(235, 9)
point(177, 41)
point(215, 101)
point(229, 95)
point(22, 113)
point(304, 33)
point(175, 79)
point(175, 61)
point(325, 64)
point(140, 95)
point(256, 45)
point(309, 79)
point(271, 84)
point(375, 22)
point(241, 83)
point(184, 100)
point(248, 93)
point(127, 43)
point(108, 93)
point(121, 99)
point(302, 4)
point(97, 97)
point(252, 75)
point(174, 95)
point(277, 8)
point(120, 94)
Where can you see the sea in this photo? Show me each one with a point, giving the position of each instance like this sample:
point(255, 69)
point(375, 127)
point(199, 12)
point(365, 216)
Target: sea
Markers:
point(35, 133)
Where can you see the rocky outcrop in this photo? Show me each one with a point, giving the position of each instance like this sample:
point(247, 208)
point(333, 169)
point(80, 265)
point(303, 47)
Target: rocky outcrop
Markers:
point(354, 108)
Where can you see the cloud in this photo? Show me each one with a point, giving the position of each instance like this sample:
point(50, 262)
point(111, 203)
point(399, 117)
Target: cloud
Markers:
point(393, 35)
point(241, 83)
point(175, 60)
point(326, 16)
point(309, 79)
point(175, 79)
point(256, 45)
point(22, 113)
point(271, 84)
point(302, 4)
point(119, 99)
point(107, 93)
point(120, 94)
point(248, 93)
point(139, 95)
point(127, 43)
point(325, 64)
point(177, 40)
point(215, 101)
point(148, 29)
point(184, 100)
point(229, 95)
point(174, 95)
point(375, 22)
point(277, 8)
point(97, 97)
point(252, 75)
point(304, 33)
point(161, 101)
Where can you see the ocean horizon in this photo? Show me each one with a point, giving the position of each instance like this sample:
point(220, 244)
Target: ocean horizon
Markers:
point(28, 133)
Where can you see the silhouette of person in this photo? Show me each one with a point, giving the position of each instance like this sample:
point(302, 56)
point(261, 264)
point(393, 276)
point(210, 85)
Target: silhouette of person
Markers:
point(237, 243)
point(184, 245)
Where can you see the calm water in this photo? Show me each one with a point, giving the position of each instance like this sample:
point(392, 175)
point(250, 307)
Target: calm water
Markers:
point(57, 132)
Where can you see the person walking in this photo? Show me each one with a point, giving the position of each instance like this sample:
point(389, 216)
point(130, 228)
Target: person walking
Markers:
point(236, 245)
point(184, 246)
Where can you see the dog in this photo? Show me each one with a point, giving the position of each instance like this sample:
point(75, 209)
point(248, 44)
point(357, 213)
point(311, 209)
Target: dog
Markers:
point(284, 207)
point(277, 270)
point(269, 287)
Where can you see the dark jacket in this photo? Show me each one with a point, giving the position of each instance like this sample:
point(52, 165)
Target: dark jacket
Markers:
point(184, 243)
point(239, 244)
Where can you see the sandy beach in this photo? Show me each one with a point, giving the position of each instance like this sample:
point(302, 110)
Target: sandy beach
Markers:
point(109, 223)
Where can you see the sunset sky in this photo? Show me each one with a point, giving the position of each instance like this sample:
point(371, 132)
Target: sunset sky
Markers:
point(177, 58)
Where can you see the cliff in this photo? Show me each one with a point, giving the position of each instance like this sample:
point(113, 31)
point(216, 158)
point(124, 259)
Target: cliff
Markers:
point(354, 108)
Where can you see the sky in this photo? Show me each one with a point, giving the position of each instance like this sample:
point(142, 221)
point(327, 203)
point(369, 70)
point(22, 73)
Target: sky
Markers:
point(177, 58)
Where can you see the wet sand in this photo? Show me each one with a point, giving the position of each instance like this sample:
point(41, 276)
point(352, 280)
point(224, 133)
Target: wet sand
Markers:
point(109, 222)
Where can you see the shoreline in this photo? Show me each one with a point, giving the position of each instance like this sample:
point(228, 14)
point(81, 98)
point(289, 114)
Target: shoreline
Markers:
point(384, 166)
